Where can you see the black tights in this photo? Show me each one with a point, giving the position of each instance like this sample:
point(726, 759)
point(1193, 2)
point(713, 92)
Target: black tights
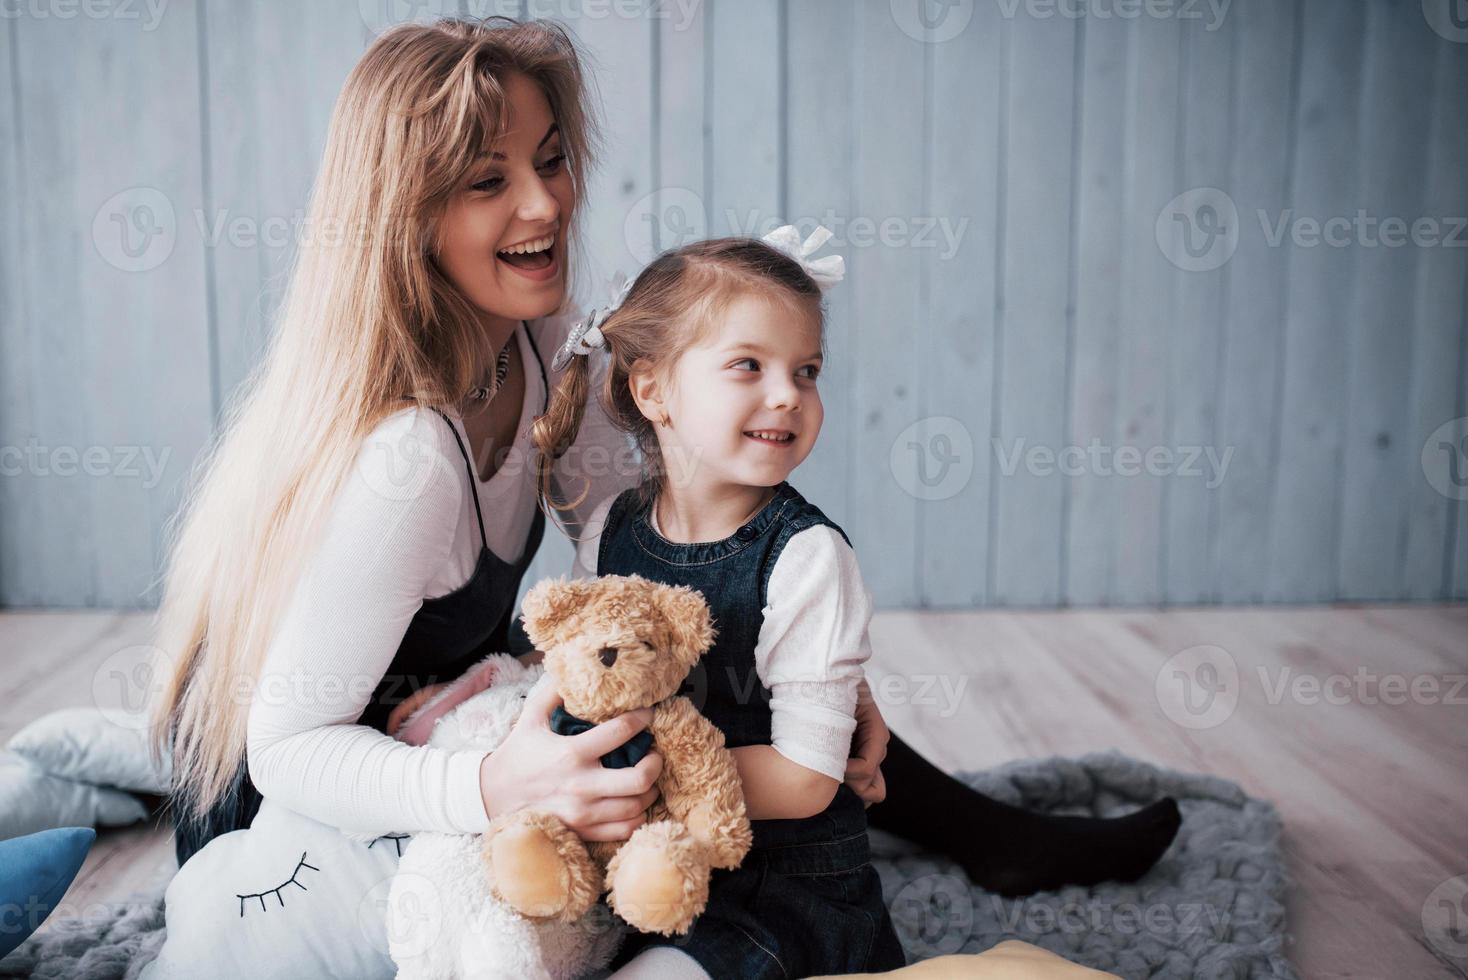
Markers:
point(1008, 850)
point(1002, 848)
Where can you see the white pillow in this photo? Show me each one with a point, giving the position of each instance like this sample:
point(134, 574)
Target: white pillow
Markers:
point(32, 800)
point(91, 746)
point(313, 904)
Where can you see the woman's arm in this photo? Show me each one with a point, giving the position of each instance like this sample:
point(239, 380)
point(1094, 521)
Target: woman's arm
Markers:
point(391, 528)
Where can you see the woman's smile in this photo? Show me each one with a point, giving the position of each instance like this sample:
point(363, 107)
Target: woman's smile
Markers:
point(537, 259)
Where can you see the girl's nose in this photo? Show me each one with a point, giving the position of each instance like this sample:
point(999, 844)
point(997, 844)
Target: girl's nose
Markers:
point(782, 395)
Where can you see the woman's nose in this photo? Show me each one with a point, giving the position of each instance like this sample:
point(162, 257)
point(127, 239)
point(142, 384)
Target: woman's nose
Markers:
point(538, 204)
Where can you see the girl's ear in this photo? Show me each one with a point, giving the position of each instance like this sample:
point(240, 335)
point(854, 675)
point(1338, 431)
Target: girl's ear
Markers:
point(550, 607)
point(643, 384)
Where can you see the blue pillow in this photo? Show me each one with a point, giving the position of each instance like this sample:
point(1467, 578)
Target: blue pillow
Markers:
point(35, 871)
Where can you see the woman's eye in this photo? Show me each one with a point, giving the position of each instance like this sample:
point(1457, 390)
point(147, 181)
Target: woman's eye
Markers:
point(488, 184)
point(554, 163)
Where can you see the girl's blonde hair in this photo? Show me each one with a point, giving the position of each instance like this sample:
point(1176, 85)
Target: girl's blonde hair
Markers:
point(672, 305)
point(369, 325)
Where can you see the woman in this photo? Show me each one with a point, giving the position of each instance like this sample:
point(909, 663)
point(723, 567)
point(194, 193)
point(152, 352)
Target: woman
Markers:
point(359, 529)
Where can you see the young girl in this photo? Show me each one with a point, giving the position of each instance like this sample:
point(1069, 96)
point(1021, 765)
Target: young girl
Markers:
point(714, 358)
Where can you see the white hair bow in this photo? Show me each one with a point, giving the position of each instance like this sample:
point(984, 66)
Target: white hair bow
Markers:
point(826, 271)
point(586, 335)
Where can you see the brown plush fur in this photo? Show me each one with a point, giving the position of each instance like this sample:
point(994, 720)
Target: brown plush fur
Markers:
point(658, 879)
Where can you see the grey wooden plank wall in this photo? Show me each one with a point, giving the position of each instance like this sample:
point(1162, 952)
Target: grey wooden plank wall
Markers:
point(1035, 271)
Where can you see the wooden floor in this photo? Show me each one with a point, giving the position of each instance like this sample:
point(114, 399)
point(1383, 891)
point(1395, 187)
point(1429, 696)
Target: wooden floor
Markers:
point(1373, 794)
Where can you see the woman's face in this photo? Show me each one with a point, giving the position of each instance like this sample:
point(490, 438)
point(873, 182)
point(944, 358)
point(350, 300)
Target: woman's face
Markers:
point(503, 237)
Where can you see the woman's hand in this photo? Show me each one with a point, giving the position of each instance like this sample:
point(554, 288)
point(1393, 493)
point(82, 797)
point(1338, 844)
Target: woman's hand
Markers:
point(864, 768)
point(400, 714)
point(563, 774)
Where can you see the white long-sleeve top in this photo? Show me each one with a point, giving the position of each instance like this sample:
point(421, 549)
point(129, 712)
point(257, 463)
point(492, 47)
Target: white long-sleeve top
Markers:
point(401, 530)
point(812, 644)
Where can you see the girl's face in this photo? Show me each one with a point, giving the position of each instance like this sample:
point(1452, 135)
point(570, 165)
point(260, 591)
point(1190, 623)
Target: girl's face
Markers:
point(503, 234)
point(743, 404)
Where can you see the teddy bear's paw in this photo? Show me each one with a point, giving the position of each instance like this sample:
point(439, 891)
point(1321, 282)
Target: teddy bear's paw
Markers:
point(660, 879)
point(539, 867)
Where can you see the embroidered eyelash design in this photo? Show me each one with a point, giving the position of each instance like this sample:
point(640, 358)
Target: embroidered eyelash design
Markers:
point(277, 889)
point(396, 839)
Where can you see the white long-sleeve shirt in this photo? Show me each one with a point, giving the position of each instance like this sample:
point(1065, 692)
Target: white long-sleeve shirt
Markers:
point(401, 530)
point(813, 641)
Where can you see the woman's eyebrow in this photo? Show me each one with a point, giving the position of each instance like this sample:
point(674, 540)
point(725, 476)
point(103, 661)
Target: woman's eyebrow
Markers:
point(554, 128)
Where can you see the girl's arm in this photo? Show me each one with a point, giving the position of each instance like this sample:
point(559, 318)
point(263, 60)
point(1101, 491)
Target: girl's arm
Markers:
point(811, 648)
point(777, 789)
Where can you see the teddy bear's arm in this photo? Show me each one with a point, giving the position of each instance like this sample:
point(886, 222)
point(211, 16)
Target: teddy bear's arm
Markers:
point(700, 782)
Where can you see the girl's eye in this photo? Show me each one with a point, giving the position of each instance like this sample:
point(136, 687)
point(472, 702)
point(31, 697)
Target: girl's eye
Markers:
point(814, 371)
point(488, 184)
point(748, 360)
point(554, 163)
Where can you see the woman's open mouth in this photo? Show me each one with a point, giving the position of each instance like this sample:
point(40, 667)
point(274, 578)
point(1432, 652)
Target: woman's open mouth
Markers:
point(534, 259)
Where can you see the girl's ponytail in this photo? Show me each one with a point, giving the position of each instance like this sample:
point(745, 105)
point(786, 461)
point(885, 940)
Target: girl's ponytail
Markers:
point(555, 431)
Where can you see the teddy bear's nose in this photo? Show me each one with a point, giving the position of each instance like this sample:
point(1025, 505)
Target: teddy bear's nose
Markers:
point(608, 656)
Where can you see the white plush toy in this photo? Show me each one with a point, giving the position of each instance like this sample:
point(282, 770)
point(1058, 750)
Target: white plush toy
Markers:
point(442, 921)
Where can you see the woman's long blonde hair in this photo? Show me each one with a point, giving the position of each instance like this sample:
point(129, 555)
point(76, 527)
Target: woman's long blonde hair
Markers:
point(369, 325)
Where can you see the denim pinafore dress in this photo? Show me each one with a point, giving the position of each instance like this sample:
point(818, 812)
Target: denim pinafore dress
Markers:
point(446, 636)
point(806, 900)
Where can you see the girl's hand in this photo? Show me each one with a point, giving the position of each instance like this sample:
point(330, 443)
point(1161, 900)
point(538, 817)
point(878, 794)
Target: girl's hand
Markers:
point(400, 714)
point(563, 774)
point(864, 769)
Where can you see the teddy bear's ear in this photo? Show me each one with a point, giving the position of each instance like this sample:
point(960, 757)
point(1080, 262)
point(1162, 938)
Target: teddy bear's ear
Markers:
point(689, 623)
point(549, 604)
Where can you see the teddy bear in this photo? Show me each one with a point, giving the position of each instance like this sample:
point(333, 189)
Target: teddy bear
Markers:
point(614, 644)
point(441, 919)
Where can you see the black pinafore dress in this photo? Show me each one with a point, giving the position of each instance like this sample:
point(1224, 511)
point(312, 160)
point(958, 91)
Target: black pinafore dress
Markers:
point(448, 635)
point(806, 900)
